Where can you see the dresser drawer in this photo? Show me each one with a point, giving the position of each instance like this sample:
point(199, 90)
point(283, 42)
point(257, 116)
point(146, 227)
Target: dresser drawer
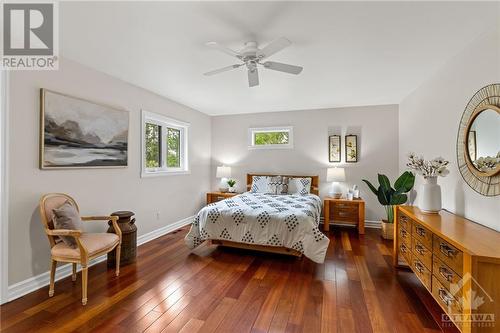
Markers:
point(420, 251)
point(405, 237)
point(423, 234)
point(405, 252)
point(449, 303)
point(449, 254)
point(446, 275)
point(422, 272)
point(405, 222)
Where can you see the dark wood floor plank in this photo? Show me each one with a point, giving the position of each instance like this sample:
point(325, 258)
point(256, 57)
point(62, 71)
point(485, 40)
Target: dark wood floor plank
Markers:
point(172, 289)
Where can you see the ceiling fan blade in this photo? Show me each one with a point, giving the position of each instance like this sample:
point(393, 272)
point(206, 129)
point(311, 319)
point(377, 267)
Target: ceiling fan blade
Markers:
point(273, 47)
point(253, 77)
point(278, 66)
point(222, 48)
point(223, 69)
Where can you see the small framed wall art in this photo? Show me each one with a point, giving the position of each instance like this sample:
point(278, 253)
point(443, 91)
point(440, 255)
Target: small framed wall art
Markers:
point(351, 148)
point(334, 148)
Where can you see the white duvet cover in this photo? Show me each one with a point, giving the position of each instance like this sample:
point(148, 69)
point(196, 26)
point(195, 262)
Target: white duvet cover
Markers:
point(290, 221)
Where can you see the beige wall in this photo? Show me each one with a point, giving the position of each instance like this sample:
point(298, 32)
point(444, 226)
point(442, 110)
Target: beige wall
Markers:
point(376, 127)
point(429, 119)
point(98, 191)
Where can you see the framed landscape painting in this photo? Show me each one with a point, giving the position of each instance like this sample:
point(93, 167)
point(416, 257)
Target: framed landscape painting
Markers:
point(334, 148)
point(351, 148)
point(76, 133)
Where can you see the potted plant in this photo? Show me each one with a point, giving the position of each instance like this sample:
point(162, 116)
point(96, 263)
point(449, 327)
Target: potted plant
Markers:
point(231, 183)
point(390, 197)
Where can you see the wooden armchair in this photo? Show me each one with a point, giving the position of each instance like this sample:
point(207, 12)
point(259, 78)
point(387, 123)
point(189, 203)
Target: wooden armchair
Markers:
point(90, 245)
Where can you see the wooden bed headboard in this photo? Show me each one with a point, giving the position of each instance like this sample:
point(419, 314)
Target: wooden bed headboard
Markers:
point(314, 180)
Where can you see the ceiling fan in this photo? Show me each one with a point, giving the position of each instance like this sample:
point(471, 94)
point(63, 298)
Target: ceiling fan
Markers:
point(252, 57)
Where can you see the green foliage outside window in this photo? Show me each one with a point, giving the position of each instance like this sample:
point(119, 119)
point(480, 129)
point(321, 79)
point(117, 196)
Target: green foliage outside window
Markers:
point(153, 133)
point(271, 138)
point(173, 148)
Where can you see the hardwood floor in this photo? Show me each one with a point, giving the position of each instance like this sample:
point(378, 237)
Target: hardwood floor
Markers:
point(213, 289)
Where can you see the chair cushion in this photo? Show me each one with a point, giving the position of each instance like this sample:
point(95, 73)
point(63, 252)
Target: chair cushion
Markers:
point(67, 217)
point(94, 243)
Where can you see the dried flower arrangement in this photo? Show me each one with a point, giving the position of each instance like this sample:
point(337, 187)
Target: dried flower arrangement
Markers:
point(433, 168)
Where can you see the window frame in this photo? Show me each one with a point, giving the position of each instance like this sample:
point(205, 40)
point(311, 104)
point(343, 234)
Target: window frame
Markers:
point(255, 130)
point(165, 122)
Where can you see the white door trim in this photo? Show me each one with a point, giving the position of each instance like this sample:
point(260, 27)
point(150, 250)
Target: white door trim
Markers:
point(4, 186)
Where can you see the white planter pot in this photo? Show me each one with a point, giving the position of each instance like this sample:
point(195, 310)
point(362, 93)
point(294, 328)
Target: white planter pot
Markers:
point(430, 196)
point(232, 189)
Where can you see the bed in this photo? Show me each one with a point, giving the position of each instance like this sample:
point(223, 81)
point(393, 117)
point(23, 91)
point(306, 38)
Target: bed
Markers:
point(277, 223)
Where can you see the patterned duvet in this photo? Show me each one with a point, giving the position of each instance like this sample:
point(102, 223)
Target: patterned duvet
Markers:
point(255, 218)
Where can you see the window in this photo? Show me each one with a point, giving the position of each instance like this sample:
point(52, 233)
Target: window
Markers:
point(165, 143)
point(270, 137)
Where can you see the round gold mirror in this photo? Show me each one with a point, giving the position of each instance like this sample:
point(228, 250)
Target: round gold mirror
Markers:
point(478, 142)
point(483, 141)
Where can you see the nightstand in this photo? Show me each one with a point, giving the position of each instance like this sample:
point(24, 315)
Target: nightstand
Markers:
point(343, 211)
point(218, 196)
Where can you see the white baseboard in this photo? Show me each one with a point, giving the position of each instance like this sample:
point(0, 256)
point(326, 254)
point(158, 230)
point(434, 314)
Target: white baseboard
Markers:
point(36, 282)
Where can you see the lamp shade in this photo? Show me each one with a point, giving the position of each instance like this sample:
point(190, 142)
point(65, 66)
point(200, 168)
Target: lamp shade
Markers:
point(223, 172)
point(335, 175)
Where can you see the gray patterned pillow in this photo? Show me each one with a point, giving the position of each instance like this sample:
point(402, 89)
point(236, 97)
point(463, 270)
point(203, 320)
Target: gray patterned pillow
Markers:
point(278, 185)
point(67, 217)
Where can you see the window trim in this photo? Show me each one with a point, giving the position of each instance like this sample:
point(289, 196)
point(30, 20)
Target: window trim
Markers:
point(163, 170)
point(253, 131)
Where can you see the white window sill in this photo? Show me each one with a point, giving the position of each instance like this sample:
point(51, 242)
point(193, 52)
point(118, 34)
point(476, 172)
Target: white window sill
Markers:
point(162, 173)
point(271, 147)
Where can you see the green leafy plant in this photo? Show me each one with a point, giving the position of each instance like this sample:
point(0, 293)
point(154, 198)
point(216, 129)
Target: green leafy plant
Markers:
point(390, 197)
point(231, 182)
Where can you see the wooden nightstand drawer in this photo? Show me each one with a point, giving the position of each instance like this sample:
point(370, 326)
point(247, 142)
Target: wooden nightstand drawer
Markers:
point(218, 196)
point(421, 233)
point(449, 254)
point(421, 252)
point(344, 211)
point(422, 272)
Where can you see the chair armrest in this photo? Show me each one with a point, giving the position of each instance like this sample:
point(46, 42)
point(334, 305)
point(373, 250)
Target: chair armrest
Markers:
point(99, 218)
point(64, 232)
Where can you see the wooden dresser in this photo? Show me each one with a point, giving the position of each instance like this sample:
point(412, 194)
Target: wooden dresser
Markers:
point(457, 260)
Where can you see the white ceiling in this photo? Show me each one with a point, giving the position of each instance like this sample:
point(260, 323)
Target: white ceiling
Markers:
point(353, 53)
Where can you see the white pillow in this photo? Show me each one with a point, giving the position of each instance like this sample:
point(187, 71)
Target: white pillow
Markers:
point(260, 184)
point(299, 186)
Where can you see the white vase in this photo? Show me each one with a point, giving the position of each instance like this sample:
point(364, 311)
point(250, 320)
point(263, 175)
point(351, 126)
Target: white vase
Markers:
point(430, 196)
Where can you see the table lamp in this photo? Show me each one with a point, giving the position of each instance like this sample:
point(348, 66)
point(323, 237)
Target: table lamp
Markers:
point(336, 176)
point(223, 172)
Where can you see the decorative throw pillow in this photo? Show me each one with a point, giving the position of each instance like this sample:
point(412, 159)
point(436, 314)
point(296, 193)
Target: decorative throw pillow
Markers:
point(260, 184)
point(299, 186)
point(67, 217)
point(278, 185)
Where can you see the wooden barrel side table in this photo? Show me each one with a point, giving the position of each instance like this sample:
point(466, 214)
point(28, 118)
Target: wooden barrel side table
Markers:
point(126, 223)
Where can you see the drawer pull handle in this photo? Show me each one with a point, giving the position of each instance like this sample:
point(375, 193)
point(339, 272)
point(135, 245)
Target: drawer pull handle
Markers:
point(403, 248)
point(403, 233)
point(445, 297)
point(419, 267)
point(420, 231)
point(446, 273)
point(420, 249)
point(343, 214)
point(447, 251)
point(404, 219)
